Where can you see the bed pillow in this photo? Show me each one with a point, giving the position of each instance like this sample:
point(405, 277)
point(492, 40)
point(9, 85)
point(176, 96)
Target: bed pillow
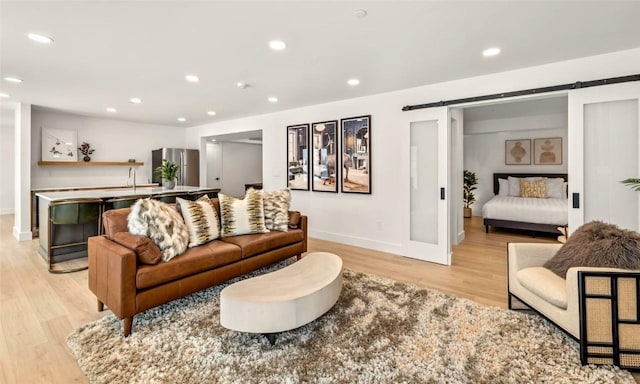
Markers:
point(555, 188)
point(162, 224)
point(201, 220)
point(242, 216)
point(597, 244)
point(276, 210)
point(503, 187)
point(514, 186)
point(537, 188)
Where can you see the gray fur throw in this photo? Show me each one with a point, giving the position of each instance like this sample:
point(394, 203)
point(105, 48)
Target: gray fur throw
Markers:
point(597, 244)
point(162, 224)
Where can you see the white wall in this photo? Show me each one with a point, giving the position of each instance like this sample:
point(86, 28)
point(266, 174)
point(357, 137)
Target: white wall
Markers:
point(7, 160)
point(241, 164)
point(375, 221)
point(113, 140)
point(484, 155)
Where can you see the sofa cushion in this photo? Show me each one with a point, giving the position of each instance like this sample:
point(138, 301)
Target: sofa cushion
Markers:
point(201, 220)
point(276, 210)
point(115, 220)
point(195, 260)
point(147, 251)
point(597, 244)
point(545, 284)
point(252, 245)
point(162, 224)
point(242, 216)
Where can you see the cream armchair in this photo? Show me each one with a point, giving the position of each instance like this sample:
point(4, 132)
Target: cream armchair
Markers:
point(583, 305)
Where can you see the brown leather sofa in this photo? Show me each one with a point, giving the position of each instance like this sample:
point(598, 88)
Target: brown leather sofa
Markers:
point(121, 281)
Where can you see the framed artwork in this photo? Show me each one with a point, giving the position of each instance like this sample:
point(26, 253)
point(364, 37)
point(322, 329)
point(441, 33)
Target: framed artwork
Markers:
point(324, 143)
point(355, 153)
point(59, 144)
point(298, 157)
point(517, 152)
point(547, 151)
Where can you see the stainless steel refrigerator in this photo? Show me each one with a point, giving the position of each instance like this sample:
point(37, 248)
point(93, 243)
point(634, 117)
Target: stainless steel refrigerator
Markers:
point(188, 161)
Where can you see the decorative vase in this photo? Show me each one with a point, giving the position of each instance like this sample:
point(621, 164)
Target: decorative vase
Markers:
point(86, 158)
point(467, 212)
point(169, 184)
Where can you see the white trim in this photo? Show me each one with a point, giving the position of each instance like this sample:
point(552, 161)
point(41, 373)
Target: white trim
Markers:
point(7, 211)
point(357, 241)
point(22, 236)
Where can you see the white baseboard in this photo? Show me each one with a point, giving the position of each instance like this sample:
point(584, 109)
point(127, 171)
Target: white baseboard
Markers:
point(6, 211)
point(363, 242)
point(22, 236)
point(461, 235)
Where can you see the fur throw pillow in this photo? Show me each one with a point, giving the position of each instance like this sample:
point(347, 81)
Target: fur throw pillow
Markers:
point(597, 244)
point(242, 216)
point(276, 210)
point(162, 224)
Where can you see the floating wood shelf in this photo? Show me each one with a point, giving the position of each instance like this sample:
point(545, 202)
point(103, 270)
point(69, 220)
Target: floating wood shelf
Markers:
point(89, 163)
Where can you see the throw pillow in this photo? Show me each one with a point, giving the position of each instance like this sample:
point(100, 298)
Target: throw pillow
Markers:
point(242, 216)
point(555, 188)
point(276, 210)
point(162, 224)
point(503, 187)
point(597, 244)
point(201, 220)
point(514, 186)
point(536, 188)
point(147, 251)
point(294, 219)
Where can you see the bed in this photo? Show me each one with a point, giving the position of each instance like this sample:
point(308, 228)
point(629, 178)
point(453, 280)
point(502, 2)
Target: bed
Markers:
point(531, 214)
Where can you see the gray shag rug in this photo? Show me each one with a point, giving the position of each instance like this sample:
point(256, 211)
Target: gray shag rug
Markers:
point(380, 331)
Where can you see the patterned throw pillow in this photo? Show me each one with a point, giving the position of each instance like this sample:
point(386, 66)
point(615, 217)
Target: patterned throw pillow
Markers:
point(276, 210)
point(201, 220)
point(242, 216)
point(162, 224)
point(536, 188)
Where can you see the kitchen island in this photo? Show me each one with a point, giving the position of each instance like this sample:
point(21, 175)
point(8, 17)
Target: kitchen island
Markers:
point(79, 233)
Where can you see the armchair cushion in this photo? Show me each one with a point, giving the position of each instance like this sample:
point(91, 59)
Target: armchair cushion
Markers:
point(597, 244)
point(545, 284)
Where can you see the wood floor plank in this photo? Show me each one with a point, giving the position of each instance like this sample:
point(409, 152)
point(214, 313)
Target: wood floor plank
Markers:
point(38, 310)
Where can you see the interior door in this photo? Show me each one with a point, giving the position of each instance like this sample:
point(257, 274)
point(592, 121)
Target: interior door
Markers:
point(214, 165)
point(603, 148)
point(425, 173)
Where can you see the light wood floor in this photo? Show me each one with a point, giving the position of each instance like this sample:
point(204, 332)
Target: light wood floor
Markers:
point(38, 309)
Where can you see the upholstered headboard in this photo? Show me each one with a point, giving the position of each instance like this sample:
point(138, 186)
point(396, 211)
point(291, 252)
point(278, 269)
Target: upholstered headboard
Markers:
point(496, 176)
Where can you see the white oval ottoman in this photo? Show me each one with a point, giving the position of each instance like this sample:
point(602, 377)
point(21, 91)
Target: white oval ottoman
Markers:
point(285, 299)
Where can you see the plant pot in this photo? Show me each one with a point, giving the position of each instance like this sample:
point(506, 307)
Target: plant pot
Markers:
point(168, 184)
point(86, 158)
point(467, 212)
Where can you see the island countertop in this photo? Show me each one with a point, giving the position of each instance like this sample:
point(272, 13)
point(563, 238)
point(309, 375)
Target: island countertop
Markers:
point(108, 193)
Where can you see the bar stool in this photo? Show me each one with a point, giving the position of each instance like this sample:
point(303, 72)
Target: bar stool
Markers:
point(122, 202)
point(71, 223)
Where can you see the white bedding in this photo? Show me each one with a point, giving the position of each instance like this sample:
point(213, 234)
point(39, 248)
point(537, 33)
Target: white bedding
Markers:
point(530, 210)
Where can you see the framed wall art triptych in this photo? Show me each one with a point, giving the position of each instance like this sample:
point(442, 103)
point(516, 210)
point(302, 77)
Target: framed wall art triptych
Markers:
point(324, 161)
point(355, 144)
point(298, 157)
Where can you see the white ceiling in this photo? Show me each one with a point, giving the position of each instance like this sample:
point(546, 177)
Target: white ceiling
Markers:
point(106, 52)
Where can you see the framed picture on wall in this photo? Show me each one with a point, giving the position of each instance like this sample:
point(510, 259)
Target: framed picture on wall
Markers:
point(355, 150)
point(59, 144)
point(298, 157)
point(324, 148)
point(547, 151)
point(517, 152)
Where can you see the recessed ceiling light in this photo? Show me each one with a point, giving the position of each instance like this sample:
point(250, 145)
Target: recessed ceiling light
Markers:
point(273, 99)
point(192, 78)
point(40, 38)
point(360, 13)
point(182, 119)
point(241, 85)
point(4, 95)
point(491, 52)
point(135, 100)
point(13, 79)
point(112, 110)
point(353, 82)
point(277, 45)
point(211, 113)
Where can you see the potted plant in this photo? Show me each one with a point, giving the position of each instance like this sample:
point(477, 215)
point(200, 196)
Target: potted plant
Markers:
point(632, 183)
point(470, 182)
point(169, 172)
point(86, 150)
